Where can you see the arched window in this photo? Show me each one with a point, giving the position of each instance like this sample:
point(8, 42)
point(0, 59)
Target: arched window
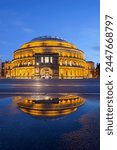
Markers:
point(74, 72)
point(61, 62)
point(75, 63)
point(70, 63)
point(28, 63)
point(20, 63)
point(66, 62)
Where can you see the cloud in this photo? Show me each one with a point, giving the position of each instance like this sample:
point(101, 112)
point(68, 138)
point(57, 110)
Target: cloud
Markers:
point(96, 48)
point(28, 30)
point(90, 32)
point(22, 25)
point(3, 42)
point(18, 23)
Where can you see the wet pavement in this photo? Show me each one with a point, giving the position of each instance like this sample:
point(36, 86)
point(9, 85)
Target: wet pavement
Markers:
point(77, 130)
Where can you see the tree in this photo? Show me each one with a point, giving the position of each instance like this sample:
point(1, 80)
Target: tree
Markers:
point(98, 70)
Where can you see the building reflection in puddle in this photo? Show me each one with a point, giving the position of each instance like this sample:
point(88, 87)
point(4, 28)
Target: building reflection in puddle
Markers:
point(49, 107)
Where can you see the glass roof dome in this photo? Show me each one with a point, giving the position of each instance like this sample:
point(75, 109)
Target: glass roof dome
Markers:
point(45, 38)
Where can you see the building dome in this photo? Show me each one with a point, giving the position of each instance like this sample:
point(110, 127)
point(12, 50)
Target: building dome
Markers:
point(48, 41)
point(46, 38)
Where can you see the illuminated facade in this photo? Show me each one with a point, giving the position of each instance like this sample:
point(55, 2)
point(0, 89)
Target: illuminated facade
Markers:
point(48, 57)
point(90, 69)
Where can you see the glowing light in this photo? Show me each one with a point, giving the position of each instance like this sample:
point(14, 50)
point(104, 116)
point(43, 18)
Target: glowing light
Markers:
point(46, 59)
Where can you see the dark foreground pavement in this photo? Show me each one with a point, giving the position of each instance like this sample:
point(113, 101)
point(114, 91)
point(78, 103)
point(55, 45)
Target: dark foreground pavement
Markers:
point(81, 86)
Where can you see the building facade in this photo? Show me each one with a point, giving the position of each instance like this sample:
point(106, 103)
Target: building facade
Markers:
point(48, 57)
point(90, 69)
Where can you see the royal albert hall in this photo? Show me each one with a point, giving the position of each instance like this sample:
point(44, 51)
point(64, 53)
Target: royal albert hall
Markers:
point(48, 57)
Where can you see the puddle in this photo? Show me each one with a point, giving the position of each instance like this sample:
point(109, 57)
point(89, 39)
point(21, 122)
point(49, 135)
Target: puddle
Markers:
point(49, 106)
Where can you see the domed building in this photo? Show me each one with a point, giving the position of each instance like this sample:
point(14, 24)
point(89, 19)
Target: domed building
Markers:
point(48, 57)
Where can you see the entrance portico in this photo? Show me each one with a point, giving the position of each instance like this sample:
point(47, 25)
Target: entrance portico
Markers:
point(46, 73)
point(46, 66)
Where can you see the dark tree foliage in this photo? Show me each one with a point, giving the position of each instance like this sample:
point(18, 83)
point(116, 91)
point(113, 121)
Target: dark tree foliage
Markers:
point(98, 70)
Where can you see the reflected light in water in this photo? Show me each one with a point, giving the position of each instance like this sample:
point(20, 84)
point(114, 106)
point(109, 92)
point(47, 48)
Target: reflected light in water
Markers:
point(51, 107)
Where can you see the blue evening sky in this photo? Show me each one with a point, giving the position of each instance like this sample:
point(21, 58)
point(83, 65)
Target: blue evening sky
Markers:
point(76, 21)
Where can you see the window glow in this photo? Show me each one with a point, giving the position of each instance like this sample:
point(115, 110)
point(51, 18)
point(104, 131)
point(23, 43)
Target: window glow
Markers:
point(28, 63)
point(66, 62)
point(37, 63)
point(61, 63)
point(51, 59)
point(46, 59)
point(70, 63)
point(41, 59)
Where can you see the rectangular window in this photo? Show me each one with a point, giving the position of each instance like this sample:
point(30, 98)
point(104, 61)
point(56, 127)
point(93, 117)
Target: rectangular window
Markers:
point(51, 59)
point(41, 59)
point(46, 59)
